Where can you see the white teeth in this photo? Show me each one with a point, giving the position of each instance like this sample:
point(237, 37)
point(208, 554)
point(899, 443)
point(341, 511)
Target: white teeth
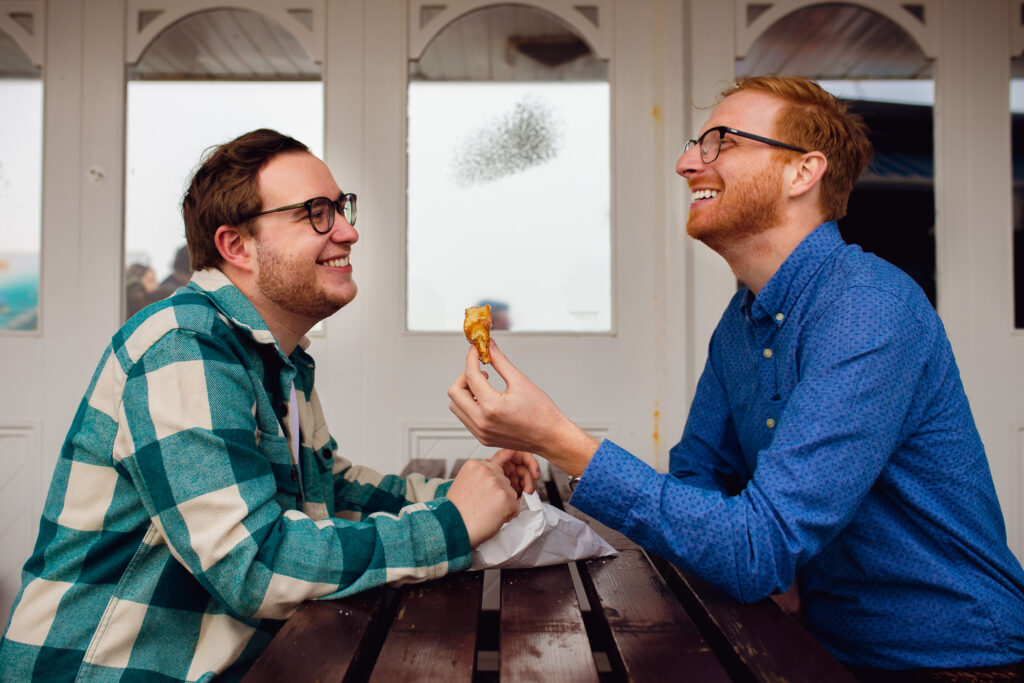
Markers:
point(704, 194)
point(337, 262)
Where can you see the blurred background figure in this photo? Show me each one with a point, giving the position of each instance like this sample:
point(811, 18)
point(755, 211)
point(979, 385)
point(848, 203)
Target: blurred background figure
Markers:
point(181, 273)
point(139, 286)
point(500, 319)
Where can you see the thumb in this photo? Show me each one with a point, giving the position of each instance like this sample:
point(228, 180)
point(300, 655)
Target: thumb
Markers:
point(503, 366)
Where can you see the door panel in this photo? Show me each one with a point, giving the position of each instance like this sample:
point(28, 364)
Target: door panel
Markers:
point(605, 381)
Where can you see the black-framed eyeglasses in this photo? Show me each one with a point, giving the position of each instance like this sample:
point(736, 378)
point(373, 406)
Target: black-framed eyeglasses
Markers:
point(711, 142)
point(321, 211)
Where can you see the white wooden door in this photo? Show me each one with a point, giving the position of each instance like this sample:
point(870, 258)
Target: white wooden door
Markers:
point(45, 373)
point(386, 387)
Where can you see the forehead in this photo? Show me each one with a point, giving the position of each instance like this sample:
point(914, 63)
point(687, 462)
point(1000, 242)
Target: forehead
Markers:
point(294, 177)
point(747, 110)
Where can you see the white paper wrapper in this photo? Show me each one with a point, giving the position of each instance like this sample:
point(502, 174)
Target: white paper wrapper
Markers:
point(541, 535)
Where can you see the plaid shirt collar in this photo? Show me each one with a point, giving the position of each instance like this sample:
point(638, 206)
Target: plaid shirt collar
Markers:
point(235, 306)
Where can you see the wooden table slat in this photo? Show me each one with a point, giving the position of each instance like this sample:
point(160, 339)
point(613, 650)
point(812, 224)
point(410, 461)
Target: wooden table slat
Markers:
point(316, 645)
point(653, 621)
point(768, 642)
point(431, 468)
point(456, 466)
point(543, 637)
point(433, 636)
point(654, 639)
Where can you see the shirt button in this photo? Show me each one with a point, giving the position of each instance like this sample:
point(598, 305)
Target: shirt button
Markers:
point(770, 422)
point(767, 353)
point(780, 317)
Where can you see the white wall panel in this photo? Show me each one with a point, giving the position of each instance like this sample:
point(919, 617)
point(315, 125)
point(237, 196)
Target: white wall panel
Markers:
point(20, 505)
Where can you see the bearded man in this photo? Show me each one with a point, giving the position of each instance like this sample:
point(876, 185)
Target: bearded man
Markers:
point(830, 451)
point(199, 498)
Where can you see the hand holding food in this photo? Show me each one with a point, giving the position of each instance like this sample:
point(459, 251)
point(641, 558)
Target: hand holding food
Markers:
point(520, 418)
point(477, 327)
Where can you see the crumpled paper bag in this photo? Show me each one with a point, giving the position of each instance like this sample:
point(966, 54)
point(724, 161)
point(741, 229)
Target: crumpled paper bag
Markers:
point(541, 535)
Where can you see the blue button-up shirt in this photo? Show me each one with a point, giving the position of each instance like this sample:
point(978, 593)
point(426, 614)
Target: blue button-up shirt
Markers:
point(830, 441)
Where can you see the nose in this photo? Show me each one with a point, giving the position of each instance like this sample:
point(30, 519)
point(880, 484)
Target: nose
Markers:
point(689, 162)
point(342, 232)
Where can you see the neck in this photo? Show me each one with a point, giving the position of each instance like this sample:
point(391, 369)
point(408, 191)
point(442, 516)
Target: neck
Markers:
point(754, 259)
point(287, 327)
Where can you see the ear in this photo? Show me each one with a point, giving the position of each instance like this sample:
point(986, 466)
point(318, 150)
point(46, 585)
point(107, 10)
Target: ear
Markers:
point(236, 249)
point(808, 174)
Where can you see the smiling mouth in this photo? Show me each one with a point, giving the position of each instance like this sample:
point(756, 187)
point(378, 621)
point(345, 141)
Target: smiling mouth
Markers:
point(702, 195)
point(339, 262)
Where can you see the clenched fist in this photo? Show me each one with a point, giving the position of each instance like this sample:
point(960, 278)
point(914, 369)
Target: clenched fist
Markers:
point(485, 499)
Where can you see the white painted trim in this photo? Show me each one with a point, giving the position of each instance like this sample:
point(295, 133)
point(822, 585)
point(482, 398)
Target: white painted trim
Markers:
point(20, 530)
point(710, 69)
point(925, 35)
point(32, 44)
point(311, 39)
point(418, 434)
point(597, 37)
point(30, 430)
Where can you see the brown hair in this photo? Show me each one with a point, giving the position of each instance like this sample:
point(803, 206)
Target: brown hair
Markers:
point(225, 190)
point(815, 120)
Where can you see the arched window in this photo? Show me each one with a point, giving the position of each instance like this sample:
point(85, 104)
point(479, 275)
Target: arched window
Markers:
point(509, 175)
point(21, 161)
point(862, 56)
point(204, 80)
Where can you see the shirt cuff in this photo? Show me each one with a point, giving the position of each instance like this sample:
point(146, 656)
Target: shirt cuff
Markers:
point(610, 484)
point(457, 551)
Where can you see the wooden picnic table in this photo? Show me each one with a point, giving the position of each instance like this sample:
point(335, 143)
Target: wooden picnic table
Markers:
point(628, 617)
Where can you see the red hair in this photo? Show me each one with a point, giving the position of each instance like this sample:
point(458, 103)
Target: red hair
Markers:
point(815, 120)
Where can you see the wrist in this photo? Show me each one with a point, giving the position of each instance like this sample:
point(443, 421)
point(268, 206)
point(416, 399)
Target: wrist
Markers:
point(572, 452)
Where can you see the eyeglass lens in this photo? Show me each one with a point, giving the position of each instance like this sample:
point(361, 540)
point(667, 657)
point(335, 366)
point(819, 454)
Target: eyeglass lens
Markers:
point(710, 143)
point(322, 211)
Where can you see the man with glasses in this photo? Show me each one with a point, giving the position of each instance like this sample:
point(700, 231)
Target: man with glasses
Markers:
point(830, 450)
point(199, 498)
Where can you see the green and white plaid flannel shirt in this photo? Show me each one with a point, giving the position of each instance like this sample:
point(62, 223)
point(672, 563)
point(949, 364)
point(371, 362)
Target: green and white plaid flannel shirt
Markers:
point(177, 532)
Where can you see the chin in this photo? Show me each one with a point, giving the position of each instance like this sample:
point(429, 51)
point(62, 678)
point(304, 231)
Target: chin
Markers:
point(698, 229)
point(345, 297)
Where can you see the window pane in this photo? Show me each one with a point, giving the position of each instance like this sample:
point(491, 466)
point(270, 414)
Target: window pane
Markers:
point(208, 79)
point(862, 56)
point(169, 126)
point(509, 203)
point(891, 211)
point(509, 197)
point(21, 160)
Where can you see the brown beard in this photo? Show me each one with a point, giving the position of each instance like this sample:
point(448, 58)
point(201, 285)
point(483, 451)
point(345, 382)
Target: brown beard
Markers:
point(752, 206)
point(294, 286)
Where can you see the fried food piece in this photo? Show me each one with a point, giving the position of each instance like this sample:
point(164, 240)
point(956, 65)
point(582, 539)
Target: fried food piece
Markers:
point(477, 327)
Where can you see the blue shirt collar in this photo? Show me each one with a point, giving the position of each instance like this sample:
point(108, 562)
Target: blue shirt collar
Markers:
point(777, 298)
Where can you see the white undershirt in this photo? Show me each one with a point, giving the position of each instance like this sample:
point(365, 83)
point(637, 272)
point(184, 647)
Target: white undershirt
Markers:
point(293, 422)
